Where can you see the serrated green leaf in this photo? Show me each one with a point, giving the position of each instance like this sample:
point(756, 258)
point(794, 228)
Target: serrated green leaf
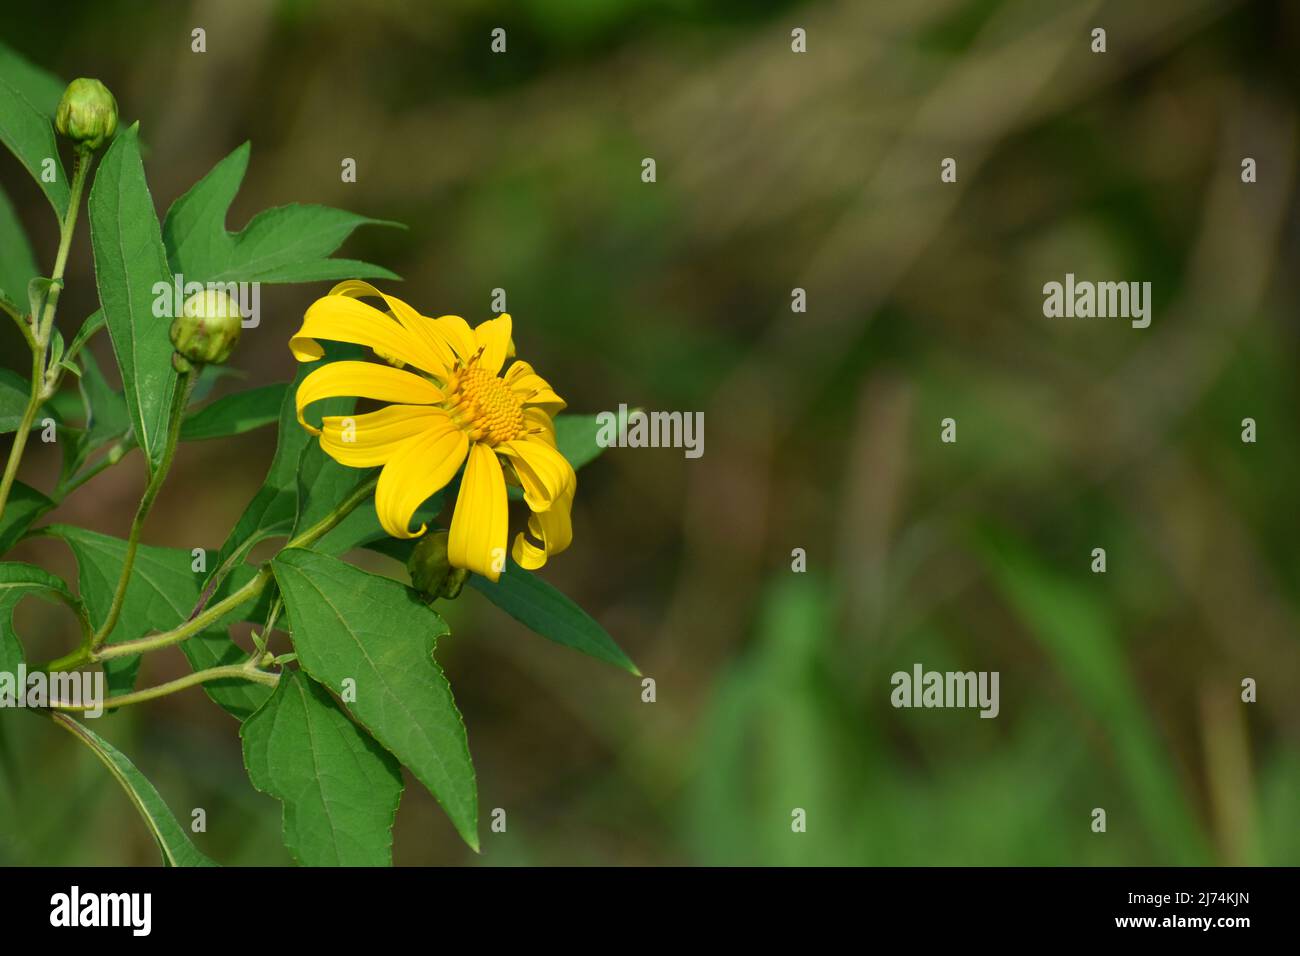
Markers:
point(236, 413)
point(17, 262)
point(25, 505)
point(339, 788)
point(129, 262)
point(286, 244)
point(160, 595)
point(352, 626)
point(28, 98)
point(177, 850)
point(17, 581)
point(214, 648)
point(547, 611)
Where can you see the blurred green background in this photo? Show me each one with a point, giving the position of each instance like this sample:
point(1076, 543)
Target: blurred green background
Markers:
point(777, 170)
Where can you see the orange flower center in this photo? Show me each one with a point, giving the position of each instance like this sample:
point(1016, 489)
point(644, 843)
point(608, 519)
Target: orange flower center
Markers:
point(484, 406)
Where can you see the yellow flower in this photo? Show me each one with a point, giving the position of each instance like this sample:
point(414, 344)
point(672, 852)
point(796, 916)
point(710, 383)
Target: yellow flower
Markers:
point(450, 405)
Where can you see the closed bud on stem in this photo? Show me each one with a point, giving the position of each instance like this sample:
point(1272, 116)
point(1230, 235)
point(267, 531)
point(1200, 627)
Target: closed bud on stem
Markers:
point(431, 572)
point(208, 328)
point(87, 113)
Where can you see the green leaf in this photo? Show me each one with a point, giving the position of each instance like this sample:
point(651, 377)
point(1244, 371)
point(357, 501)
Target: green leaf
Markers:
point(129, 262)
point(25, 505)
point(575, 436)
point(160, 595)
point(550, 613)
point(108, 418)
point(17, 263)
point(352, 626)
point(214, 648)
point(28, 98)
point(17, 581)
point(93, 323)
point(273, 509)
point(339, 788)
point(286, 244)
point(177, 850)
point(235, 414)
point(14, 392)
point(361, 528)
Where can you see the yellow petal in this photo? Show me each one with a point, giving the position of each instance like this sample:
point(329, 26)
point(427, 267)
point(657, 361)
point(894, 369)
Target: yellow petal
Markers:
point(340, 318)
point(553, 527)
point(459, 334)
point(479, 525)
point(421, 328)
point(364, 441)
point(421, 467)
point(493, 337)
point(539, 424)
point(544, 473)
point(364, 380)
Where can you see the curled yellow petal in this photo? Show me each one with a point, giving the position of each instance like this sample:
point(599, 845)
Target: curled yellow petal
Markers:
point(341, 318)
point(423, 329)
point(552, 527)
point(543, 472)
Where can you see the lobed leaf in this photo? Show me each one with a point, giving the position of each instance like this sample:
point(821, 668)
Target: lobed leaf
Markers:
point(286, 244)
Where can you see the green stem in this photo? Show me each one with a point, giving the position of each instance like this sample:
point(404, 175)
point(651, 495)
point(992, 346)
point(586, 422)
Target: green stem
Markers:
point(21, 320)
point(226, 672)
point(39, 339)
point(115, 454)
point(191, 627)
point(310, 536)
point(180, 395)
point(88, 654)
point(327, 524)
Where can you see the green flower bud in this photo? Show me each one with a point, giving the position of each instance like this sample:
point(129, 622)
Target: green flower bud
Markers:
point(431, 572)
point(87, 113)
point(207, 330)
